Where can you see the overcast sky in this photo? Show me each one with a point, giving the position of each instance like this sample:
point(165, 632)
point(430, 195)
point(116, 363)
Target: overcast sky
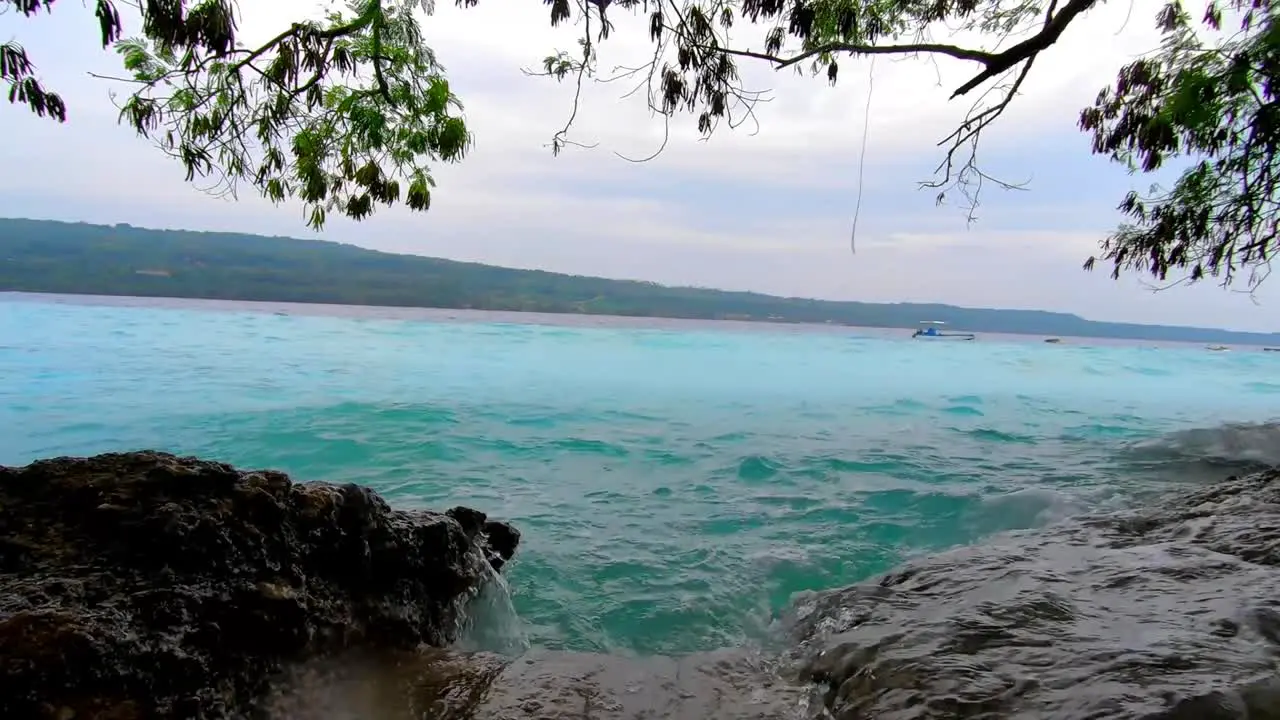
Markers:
point(769, 211)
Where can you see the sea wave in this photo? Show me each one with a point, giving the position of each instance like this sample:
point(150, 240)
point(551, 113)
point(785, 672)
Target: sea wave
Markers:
point(1243, 445)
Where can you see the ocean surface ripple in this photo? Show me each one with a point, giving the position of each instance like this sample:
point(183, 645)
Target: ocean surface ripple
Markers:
point(677, 483)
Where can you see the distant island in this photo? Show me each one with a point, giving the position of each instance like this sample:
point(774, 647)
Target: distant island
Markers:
point(78, 258)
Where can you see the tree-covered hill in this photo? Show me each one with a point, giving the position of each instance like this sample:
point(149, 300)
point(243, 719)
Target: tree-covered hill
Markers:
point(78, 258)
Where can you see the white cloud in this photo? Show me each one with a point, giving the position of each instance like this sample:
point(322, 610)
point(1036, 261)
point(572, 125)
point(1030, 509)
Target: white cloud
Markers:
point(805, 130)
point(1074, 245)
point(697, 214)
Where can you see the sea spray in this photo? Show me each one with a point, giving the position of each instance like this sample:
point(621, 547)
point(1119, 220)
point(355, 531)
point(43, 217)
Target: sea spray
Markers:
point(487, 616)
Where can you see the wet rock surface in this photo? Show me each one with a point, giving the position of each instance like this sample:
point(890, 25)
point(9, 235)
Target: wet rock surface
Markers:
point(1167, 613)
point(139, 585)
point(725, 685)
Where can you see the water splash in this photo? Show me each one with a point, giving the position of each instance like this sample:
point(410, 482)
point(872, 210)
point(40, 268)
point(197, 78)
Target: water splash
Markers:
point(487, 616)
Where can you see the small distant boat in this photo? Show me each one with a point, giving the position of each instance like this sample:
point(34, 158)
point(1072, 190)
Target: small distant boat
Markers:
point(931, 332)
point(1218, 348)
point(1053, 340)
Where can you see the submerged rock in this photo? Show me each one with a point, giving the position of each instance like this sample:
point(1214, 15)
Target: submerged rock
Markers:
point(1168, 613)
point(147, 585)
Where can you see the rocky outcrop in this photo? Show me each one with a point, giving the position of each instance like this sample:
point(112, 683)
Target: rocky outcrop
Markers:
point(143, 585)
point(1171, 612)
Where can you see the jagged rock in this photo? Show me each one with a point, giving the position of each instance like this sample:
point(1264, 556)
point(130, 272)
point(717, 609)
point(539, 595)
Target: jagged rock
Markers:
point(142, 584)
point(503, 541)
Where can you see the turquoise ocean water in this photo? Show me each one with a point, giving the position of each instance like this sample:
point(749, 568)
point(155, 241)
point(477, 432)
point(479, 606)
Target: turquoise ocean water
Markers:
point(676, 482)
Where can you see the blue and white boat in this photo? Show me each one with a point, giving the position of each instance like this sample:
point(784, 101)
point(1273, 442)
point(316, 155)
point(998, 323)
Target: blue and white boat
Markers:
point(932, 330)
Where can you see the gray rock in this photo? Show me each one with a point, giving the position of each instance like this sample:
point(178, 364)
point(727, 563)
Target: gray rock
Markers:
point(1170, 612)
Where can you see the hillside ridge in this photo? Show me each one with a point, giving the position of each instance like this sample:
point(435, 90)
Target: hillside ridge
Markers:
point(49, 256)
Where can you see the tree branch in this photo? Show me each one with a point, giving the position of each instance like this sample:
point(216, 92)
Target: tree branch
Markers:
point(993, 63)
point(954, 51)
point(374, 16)
point(357, 24)
point(1030, 47)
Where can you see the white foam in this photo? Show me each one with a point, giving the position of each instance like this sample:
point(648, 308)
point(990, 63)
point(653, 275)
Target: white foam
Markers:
point(488, 616)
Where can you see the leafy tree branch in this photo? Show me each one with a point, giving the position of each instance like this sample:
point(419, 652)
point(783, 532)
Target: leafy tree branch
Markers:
point(1206, 98)
point(693, 68)
point(1213, 104)
point(349, 113)
point(345, 114)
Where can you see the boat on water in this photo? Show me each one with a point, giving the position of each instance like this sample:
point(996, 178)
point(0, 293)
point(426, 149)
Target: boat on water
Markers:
point(1053, 340)
point(931, 331)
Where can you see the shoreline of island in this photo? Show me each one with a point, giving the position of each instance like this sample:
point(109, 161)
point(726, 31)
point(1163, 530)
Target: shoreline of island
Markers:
point(412, 313)
point(38, 256)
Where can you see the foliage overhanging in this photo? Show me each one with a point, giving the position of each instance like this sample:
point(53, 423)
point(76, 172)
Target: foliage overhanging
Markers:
point(346, 114)
point(1205, 98)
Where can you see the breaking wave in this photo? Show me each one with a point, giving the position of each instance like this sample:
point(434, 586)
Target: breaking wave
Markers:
point(1247, 445)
